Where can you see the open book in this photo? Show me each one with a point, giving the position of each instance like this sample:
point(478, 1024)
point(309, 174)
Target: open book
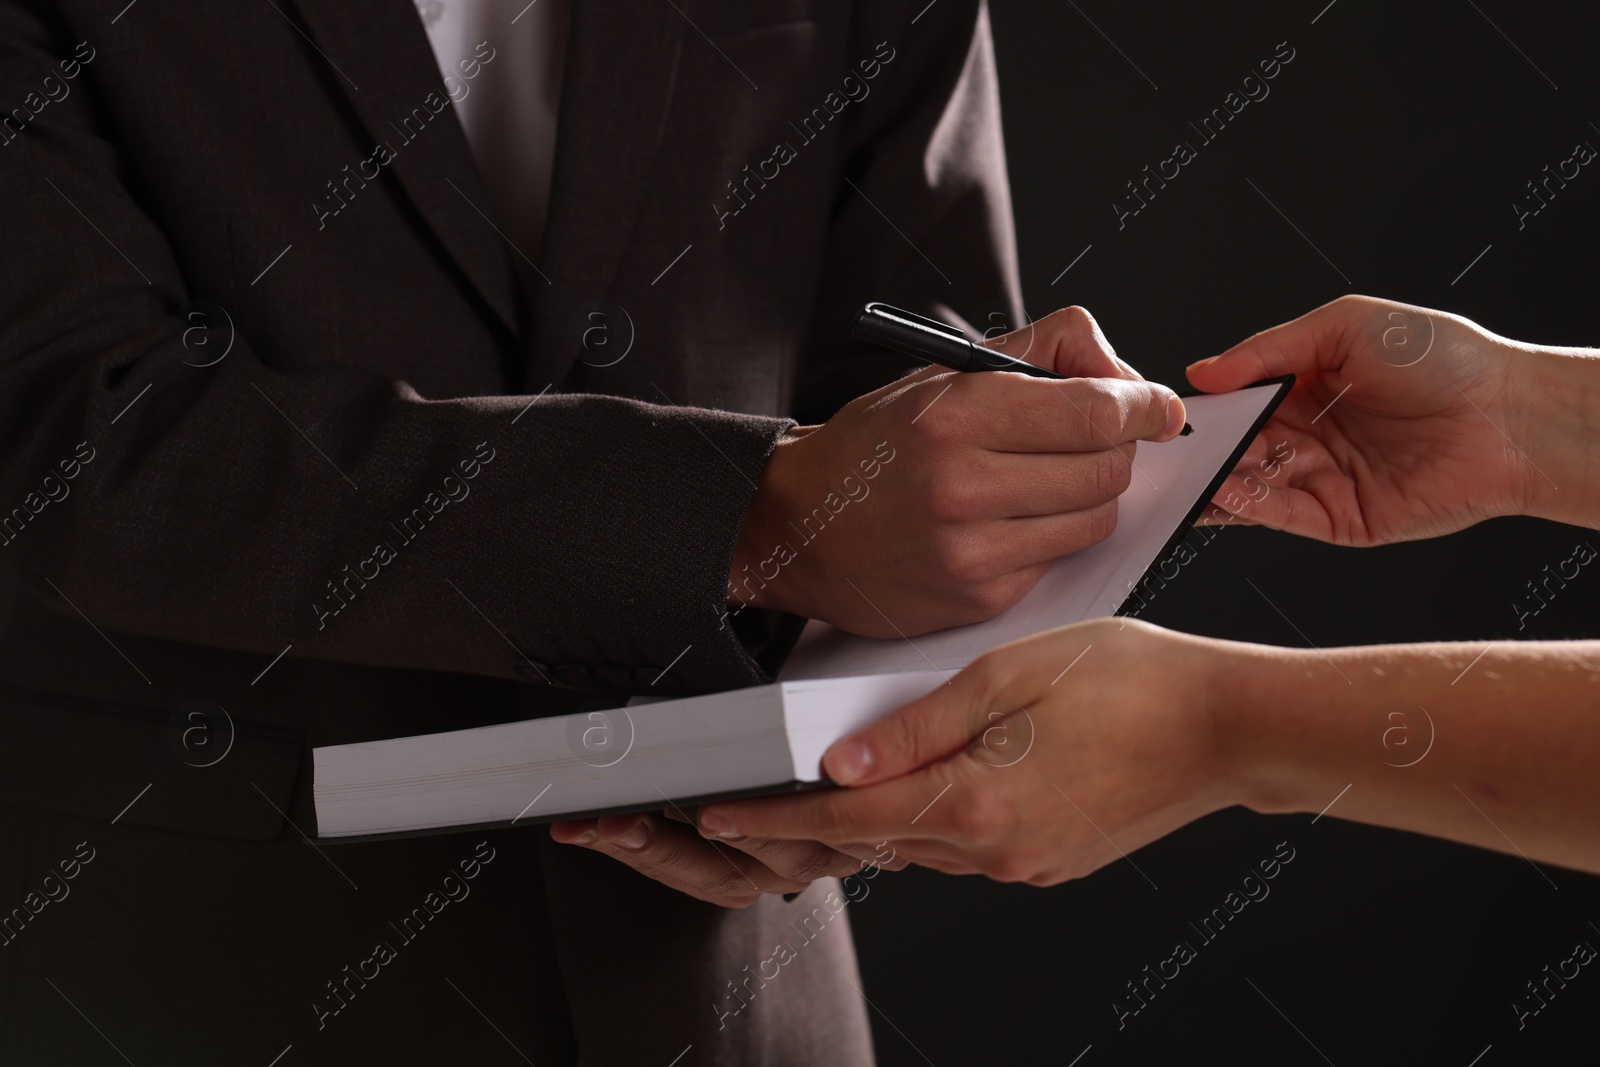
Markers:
point(770, 738)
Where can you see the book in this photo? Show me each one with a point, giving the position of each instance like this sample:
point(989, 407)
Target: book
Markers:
point(645, 757)
point(771, 738)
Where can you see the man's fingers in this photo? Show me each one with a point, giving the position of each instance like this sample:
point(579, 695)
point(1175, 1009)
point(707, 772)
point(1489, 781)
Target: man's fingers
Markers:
point(678, 857)
point(1012, 413)
point(1069, 342)
point(1002, 559)
point(800, 861)
point(1021, 485)
point(899, 808)
point(716, 870)
point(1112, 411)
point(1047, 538)
point(574, 831)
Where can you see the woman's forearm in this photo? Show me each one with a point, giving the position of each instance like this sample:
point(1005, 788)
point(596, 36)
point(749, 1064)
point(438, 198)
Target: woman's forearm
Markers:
point(1500, 750)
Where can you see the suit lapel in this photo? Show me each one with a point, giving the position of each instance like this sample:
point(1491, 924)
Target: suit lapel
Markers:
point(620, 69)
point(388, 70)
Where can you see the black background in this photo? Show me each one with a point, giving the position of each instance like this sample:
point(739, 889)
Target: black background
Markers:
point(1396, 140)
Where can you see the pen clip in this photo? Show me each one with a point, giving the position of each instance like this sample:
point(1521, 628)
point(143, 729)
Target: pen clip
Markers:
point(888, 311)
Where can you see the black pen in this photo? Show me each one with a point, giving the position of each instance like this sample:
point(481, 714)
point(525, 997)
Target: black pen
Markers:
point(936, 342)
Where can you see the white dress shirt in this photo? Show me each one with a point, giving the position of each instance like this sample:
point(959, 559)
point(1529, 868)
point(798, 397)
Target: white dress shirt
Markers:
point(502, 62)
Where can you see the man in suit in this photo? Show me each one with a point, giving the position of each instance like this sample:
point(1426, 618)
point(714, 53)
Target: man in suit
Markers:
point(309, 438)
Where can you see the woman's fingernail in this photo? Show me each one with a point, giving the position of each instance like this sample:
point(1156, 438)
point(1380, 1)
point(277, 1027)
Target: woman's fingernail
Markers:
point(588, 837)
point(1175, 417)
point(1197, 364)
point(718, 825)
point(848, 761)
point(636, 838)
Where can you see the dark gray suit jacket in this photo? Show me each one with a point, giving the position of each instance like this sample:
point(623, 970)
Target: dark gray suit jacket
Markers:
point(269, 386)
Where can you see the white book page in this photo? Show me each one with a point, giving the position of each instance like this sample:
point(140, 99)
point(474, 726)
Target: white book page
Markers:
point(821, 711)
point(718, 743)
point(1167, 481)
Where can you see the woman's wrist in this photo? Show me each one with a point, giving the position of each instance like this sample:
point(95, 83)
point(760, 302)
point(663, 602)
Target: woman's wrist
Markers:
point(1553, 405)
point(1266, 740)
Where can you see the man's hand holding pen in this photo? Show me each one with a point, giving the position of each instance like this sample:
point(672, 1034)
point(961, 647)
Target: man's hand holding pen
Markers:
point(996, 475)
